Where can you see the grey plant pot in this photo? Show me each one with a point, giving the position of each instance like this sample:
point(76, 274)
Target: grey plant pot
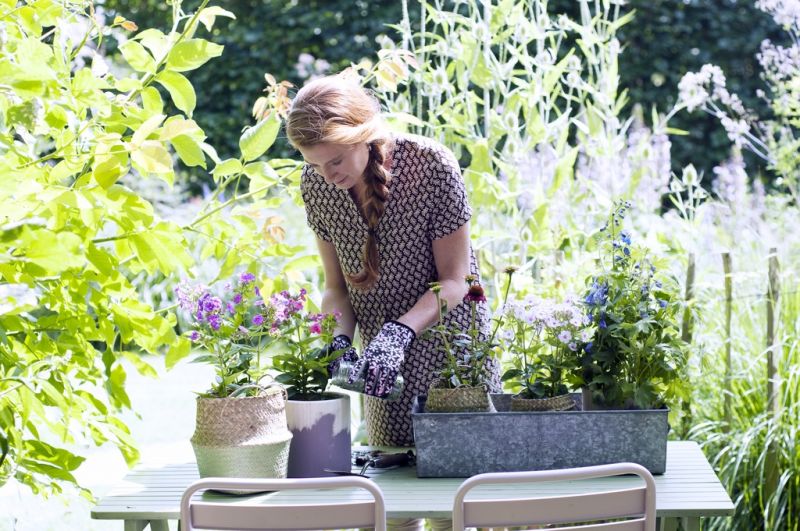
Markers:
point(464, 444)
point(320, 436)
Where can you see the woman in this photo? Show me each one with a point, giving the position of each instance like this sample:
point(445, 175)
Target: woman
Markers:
point(391, 215)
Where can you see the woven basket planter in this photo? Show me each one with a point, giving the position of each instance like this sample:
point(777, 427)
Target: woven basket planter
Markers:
point(459, 400)
point(242, 437)
point(563, 402)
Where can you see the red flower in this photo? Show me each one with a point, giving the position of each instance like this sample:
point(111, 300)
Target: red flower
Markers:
point(475, 294)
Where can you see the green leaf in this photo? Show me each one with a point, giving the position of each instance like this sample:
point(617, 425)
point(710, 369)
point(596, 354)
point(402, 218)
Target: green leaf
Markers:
point(209, 14)
point(177, 351)
point(151, 101)
point(3, 448)
point(152, 157)
point(261, 175)
point(180, 90)
point(55, 252)
point(256, 140)
point(191, 54)
point(227, 167)
point(137, 360)
point(136, 56)
point(189, 151)
point(147, 128)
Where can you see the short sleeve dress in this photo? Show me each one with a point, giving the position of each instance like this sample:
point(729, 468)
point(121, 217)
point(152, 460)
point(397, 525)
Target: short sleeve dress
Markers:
point(427, 201)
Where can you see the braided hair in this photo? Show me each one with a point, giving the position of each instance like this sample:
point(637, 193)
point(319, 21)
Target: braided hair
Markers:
point(338, 110)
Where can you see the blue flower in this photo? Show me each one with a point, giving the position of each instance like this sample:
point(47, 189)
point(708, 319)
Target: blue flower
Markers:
point(602, 322)
point(626, 238)
point(588, 347)
point(627, 251)
point(598, 294)
point(662, 303)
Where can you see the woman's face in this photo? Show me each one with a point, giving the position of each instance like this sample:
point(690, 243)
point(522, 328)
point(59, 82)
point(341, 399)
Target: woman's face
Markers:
point(340, 164)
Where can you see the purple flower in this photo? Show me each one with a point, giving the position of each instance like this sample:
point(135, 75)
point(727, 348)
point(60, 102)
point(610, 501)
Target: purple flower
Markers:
point(237, 298)
point(246, 278)
point(258, 319)
point(195, 335)
point(231, 308)
point(475, 294)
point(315, 327)
point(209, 303)
point(215, 321)
point(564, 336)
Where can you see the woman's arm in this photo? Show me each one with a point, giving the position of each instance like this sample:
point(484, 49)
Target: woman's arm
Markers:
point(451, 255)
point(335, 297)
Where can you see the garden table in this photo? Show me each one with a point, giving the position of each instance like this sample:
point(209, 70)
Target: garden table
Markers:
point(689, 489)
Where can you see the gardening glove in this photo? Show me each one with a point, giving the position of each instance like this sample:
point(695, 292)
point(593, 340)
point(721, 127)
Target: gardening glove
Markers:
point(382, 358)
point(349, 354)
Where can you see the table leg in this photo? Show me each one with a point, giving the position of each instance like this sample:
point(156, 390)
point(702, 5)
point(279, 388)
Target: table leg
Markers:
point(135, 525)
point(668, 524)
point(690, 523)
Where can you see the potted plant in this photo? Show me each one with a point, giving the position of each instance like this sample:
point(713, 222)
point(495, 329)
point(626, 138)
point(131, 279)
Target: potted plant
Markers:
point(636, 356)
point(241, 426)
point(462, 384)
point(239, 329)
point(318, 419)
point(544, 338)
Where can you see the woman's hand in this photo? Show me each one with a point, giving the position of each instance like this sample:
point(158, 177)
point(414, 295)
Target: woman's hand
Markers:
point(382, 358)
point(349, 355)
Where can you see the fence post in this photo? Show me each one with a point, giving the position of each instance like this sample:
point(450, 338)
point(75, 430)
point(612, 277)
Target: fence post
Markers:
point(773, 294)
point(727, 267)
point(771, 471)
point(686, 335)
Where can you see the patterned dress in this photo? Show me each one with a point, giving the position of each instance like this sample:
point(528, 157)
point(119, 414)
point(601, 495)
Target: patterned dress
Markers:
point(427, 201)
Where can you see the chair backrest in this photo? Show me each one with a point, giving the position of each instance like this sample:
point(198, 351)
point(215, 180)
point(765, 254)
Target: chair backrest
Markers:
point(258, 514)
point(636, 503)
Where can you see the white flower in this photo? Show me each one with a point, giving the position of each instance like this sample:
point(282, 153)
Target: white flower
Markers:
point(736, 129)
point(565, 336)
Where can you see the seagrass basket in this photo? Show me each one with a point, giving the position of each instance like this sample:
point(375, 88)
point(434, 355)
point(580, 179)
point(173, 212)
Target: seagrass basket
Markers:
point(242, 437)
point(563, 402)
point(458, 400)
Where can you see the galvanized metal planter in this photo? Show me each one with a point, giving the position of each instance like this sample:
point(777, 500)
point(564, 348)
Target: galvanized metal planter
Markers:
point(460, 445)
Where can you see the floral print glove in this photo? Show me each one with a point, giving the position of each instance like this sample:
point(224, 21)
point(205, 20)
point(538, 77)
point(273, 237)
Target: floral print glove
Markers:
point(382, 358)
point(349, 354)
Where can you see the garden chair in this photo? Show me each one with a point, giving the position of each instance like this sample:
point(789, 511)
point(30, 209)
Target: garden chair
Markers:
point(252, 516)
point(637, 504)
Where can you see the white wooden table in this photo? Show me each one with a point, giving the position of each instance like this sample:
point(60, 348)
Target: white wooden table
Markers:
point(150, 494)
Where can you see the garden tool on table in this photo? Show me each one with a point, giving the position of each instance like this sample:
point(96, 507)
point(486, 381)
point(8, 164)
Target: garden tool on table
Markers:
point(377, 459)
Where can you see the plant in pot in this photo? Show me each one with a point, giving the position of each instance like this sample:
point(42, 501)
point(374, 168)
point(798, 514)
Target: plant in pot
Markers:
point(544, 338)
point(241, 426)
point(462, 384)
point(636, 357)
point(239, 415)
point(318, 419)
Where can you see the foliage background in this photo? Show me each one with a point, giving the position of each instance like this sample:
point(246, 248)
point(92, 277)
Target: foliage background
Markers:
point(669, 38)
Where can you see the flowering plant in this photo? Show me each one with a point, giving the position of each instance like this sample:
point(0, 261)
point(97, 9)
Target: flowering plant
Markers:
point(545, 339)
point(235, 328)
point(467, 352)
point(636, 356)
